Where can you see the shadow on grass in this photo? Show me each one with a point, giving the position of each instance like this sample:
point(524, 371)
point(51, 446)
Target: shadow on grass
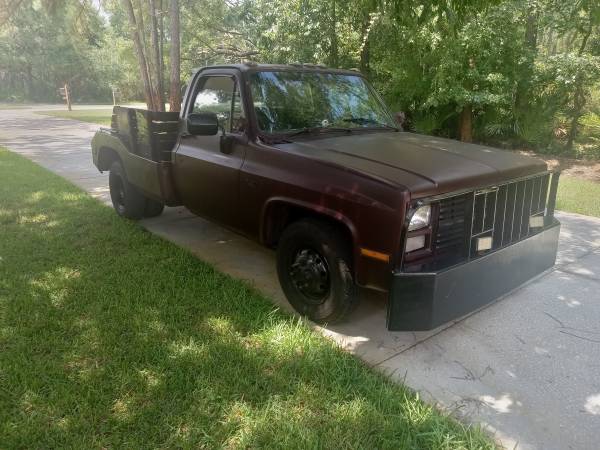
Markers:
point(112, 337)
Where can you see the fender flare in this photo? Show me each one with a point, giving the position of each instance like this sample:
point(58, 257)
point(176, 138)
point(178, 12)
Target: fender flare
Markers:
point(105, 141)
point(317, 210)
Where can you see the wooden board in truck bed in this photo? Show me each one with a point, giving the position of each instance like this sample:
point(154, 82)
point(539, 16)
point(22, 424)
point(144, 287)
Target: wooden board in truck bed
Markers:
point(149, 134)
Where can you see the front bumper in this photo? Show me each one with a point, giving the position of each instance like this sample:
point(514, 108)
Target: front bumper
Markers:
point(423, 301)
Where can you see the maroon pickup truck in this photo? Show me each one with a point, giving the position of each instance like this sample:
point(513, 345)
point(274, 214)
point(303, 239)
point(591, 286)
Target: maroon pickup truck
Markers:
point(309, 160)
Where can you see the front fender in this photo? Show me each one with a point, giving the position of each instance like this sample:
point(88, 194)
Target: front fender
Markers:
point(369, 270)
point(315, 209)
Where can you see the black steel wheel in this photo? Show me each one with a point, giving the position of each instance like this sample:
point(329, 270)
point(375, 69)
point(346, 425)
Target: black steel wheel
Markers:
point(313, 264)
point(310, 274)
point(126, 199)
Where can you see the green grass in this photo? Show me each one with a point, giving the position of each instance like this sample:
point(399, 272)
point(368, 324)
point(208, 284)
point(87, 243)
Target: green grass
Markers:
point(12, 106)
point(100, 116)
point(578, 196)
point(112, 337)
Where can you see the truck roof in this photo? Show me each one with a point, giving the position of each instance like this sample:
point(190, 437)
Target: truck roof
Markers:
point(255, 67)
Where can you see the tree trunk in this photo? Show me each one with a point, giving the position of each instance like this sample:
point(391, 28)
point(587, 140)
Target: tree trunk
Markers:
point(526, 72)
point(466, 123)
point(161, 24)
point(333, 56)
point(365, 58)
point(29, 84)
point(365, 53)
point(578, 104)
point(141, 29)
point(139, 50)
point(140, 23)
point(579, 99)
point(158, 77)
point(175, 90)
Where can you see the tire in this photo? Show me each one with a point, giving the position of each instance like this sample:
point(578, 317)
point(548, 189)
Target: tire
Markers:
point(306, 249)
point(153, 208)
point(126, 199)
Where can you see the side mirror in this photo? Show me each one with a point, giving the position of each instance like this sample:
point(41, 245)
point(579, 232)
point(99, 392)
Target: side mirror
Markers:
point(203, 124)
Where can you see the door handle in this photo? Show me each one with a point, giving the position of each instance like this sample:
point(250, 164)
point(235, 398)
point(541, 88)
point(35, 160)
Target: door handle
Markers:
point(226, 144)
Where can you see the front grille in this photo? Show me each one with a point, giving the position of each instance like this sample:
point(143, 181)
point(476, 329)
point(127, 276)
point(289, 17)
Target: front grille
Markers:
point(451, 238)
point(501, 213)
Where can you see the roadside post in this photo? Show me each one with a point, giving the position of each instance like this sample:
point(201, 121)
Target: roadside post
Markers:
point(66, 95)
point(115, 93)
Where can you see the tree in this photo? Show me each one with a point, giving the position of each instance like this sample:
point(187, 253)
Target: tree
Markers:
point(136, 32)
point(175, 92)
point(526, 64)
point(150, 56)
point(43, 47)
point(589, 12)
point(159, 101)
point(307, 31)
point(509, 72)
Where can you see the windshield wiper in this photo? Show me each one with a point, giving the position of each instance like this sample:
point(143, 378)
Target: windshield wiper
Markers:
point(318, 130)
point(368, 121)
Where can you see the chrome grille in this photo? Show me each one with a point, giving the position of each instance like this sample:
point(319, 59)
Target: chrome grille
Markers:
point(450, 243)
point(500, 212)
point(503, 212)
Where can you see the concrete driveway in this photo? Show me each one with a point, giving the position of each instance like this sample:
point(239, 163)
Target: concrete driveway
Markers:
point(526, 367)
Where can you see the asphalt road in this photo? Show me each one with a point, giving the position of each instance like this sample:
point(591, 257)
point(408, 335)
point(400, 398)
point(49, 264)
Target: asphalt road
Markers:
point(526, 367)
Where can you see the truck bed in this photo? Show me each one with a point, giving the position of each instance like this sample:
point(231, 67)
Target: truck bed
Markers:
point(144, 141)
point(149, 134)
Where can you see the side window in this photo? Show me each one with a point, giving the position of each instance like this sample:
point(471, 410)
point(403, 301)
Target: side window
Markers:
point(220, 95)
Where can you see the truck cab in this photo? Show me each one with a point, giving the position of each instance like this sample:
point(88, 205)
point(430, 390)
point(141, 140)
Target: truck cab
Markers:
point(309, 161)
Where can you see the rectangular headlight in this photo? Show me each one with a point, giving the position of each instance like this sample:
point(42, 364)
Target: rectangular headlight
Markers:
point(420, 218)
point(415, 243)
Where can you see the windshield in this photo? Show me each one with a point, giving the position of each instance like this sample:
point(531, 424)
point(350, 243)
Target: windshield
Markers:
point(291, 101)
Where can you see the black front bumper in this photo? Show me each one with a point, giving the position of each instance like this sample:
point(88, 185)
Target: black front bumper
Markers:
point(423, 301)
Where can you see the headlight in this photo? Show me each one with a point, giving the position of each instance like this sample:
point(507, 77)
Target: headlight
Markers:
point(415, 243)
point(420, 218)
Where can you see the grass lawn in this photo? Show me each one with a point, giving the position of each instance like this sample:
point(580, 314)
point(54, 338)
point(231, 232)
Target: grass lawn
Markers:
point(112, 337)
point(579, 196)
point(12, 106)
point(100, 116)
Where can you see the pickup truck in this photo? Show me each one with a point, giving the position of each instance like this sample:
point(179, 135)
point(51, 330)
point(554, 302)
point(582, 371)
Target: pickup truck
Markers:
point(309, 161)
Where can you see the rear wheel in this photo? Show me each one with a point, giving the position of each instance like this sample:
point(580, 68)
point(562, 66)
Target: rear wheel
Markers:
point(126, 199)
point(313, 264)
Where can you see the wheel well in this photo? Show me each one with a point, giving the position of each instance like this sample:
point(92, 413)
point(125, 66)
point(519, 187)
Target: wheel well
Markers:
point(280, 215)
point(106, 156)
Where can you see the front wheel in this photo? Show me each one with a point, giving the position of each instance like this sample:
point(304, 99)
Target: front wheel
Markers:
point(313, 264)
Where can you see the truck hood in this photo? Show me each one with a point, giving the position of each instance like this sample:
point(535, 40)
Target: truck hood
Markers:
point(425, 165)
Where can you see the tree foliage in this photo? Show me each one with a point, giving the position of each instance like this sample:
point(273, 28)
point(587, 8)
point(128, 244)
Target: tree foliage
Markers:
point(43, 46)
point(508, 72)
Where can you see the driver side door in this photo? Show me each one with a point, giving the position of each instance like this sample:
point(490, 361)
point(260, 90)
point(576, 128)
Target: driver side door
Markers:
point(206, 171)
